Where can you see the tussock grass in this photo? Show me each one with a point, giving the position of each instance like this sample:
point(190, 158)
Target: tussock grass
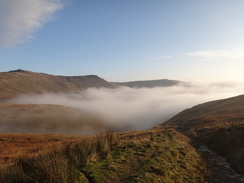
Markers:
point(60, 163)
point(50, 166)
point(80, 154)
point(156, 155)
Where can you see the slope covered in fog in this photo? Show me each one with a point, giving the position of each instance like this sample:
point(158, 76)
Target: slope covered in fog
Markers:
point(55, 119)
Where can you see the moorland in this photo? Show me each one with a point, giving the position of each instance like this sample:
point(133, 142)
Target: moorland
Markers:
point(201, 144)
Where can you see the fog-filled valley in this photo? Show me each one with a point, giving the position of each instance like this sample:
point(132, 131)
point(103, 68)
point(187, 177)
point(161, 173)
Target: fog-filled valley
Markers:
point(124, 108)
point(121, 91)
point(92, 130)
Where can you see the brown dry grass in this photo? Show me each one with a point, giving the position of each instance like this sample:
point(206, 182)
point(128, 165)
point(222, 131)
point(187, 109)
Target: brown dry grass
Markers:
point(59, 160)
point(161, 154)
point(14, 145)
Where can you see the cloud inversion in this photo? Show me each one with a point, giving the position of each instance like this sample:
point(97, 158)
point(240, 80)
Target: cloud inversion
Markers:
point(136, 109)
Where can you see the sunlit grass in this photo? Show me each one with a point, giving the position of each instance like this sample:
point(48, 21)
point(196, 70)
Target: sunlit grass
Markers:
point(58, 164)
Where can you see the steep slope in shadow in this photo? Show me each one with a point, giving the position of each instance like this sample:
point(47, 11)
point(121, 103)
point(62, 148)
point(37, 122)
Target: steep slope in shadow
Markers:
point(219, 125)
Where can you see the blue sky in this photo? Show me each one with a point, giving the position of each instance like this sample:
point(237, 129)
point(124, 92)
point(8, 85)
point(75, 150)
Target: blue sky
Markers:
point(123, 40)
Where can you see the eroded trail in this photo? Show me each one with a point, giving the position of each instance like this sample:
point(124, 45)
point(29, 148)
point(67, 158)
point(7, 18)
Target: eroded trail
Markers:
point(218, 169)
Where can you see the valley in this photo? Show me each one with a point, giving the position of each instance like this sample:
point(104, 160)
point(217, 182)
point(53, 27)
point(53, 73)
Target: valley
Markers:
point(203, 143)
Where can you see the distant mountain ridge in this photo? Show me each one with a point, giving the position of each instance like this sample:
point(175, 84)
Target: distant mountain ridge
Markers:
point(20, 81)
point(149, 83)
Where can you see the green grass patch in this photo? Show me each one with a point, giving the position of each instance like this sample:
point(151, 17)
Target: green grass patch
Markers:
point(160, 158)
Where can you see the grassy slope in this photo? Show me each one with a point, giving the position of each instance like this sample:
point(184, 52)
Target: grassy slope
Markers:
point(217, 124)
point(157, 155)
point(41, 119)
point(161, 155)
point(24, 82)
point(14, 145)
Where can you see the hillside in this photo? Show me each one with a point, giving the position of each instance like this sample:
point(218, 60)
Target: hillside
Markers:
point(14, 145)
point(162, 154)
point(149, 83)
point(219, 125)
point(19, 81)
point(157, 155)
point(46, 119)
point(182, 149)
point(219, 112)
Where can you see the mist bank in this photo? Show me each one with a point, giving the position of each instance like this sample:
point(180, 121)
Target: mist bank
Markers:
point(127, 108)
point(48, 119)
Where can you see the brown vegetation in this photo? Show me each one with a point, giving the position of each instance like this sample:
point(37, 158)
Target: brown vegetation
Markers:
point(15, 145)
point(159, 154)
point(58, 162)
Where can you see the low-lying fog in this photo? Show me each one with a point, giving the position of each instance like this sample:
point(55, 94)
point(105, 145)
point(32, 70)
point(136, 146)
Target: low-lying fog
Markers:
point(136, 109)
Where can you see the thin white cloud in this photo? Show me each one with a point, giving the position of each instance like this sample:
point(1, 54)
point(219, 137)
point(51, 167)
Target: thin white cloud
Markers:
point(233, 53)
point(19, 19)
point(160, 57)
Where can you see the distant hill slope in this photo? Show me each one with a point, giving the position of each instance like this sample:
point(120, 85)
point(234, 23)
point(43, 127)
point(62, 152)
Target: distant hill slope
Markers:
point(218, 125)
point(149, 83)
point(46, 119)
point(219, 112)
point(20, 81)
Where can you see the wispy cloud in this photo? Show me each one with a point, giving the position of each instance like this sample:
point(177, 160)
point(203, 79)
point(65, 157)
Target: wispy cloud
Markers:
point(233, 53)
point(160, 57)
point(20, 19)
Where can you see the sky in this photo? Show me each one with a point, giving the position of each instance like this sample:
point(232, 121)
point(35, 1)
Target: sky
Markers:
point(125, 40)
